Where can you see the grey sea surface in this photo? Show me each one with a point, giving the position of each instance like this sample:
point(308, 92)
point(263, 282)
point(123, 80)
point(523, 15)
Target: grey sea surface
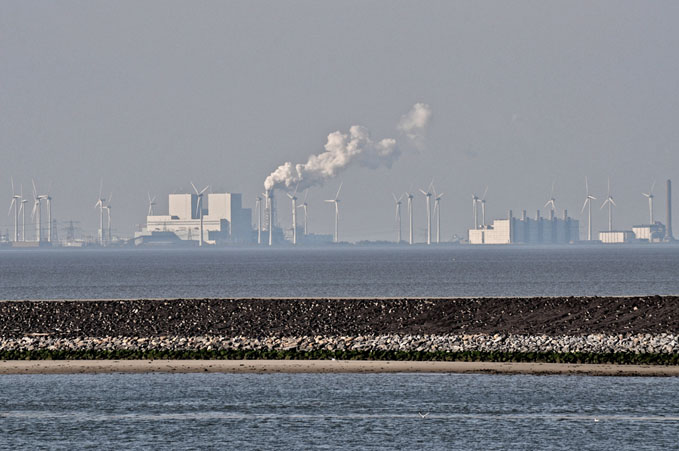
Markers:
point(446, 271)
point(337, 411)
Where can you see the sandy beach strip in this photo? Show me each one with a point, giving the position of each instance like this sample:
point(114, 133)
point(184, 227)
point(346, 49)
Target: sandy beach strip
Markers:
point(324, 366)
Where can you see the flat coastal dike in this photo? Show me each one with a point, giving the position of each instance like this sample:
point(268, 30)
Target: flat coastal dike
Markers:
point(533, 335)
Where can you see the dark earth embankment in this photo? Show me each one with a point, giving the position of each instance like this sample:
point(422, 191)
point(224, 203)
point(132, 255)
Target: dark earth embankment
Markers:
point(309, 317)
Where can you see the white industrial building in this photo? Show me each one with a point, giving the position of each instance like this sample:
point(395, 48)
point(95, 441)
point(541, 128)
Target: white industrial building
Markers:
point(224, 220)
point(653, 233)
point(528, 231)
point(616, 236)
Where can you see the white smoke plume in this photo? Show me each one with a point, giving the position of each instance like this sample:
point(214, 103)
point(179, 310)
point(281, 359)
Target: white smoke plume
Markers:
point(414, 124)
point(342, 151)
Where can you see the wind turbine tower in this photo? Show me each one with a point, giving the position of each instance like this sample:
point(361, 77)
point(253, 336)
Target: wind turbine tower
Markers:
point(36, 214)
point(100, 204)
point(475, 202)
point(611, 204)
point(588, 203)
point(48, 198)
point(16, 201)
point(305, 206)
point(108, 218)
point(199, 209)
point(437, 215)
point(551, 202)
point(293, 198)
point(650, 197)
point(269, 205)
point(427, 195)
point(22, 210)
point(398, 217)
point(152, 203)
point(483, 207)
point(258, 206)
point(410, 217)
point(336, 201)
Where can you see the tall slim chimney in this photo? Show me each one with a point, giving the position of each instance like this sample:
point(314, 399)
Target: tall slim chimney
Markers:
point(668, 229)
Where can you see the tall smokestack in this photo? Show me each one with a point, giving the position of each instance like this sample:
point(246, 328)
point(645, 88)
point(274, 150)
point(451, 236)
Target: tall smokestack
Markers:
point(668, 230)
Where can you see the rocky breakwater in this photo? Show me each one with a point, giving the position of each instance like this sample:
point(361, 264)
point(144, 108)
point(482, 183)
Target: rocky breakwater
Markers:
point(593, 343)
point(342, 328)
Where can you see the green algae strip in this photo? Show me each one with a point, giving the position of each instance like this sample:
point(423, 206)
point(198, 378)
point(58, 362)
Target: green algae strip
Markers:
point(467, 356)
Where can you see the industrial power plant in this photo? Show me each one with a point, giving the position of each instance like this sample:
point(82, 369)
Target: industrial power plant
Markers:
point(201, 218)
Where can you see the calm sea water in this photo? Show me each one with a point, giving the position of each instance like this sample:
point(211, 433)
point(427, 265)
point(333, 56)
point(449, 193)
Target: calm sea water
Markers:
point(369, 272)
point(340, 411)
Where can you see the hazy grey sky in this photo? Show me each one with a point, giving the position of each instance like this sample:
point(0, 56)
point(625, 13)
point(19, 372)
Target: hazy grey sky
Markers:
point(151, 95)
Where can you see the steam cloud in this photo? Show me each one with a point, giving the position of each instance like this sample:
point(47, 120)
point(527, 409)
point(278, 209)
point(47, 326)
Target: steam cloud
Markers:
point(346, 149)
point(414, 124)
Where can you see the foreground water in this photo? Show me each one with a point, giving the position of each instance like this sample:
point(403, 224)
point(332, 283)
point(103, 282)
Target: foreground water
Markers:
point(366, 272)
point(337, 411)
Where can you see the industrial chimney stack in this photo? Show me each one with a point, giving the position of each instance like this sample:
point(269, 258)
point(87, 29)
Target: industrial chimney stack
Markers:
point(668, 230)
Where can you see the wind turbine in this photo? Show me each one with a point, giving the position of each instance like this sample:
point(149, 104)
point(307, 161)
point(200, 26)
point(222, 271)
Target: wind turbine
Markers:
point(483, 207)
point(100, 204)
point(588, 203)
point(398, 216)
point(437, 215)
point(475, 201)
point(22, 210)
point(552, 201)
point(410, 197)
point(48, 199)
point(36, 211)
point(427, 195)
point(108, 217)
point(152, 202)
point(611, 204)
point(16, 200)
point(650, 197)
point(305, 206)
point(199, 209)
point(293, 198)
point(336, 201)
point(258, 206)
point(269, 205)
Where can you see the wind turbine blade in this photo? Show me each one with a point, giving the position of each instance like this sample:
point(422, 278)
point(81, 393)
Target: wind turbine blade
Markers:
point(35, 205)
point(394, 196)
point(613, 202)
point(101, 187)
point(652, 186)
point(289, 195)
point(484, 193)
point(423, 191)
point(400, 198)
point(605, 202)
point(548, 202)
point(35, 191)
point(584, 205)
point(12, 181)
point(194, 187)
point(552, 192)
point(338, 191)
point(329, 200)
point(11, 204)
point(586, 185)
point(306, 193)
point(296, 186)
point(204, 189)
point(441, 195)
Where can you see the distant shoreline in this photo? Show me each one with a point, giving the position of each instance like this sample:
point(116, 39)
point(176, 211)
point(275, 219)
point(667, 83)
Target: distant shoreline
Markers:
point(17, 367)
